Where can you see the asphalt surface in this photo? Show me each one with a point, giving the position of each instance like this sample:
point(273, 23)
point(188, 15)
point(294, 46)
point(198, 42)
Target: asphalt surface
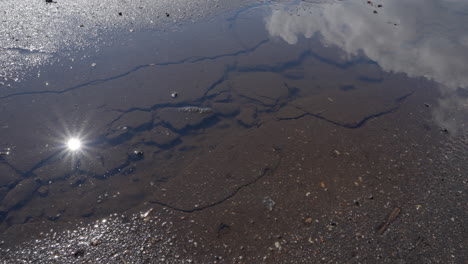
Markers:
point(233, 132)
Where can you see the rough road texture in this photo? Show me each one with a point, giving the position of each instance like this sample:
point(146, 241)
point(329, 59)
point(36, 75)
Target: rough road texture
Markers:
point(309, 156)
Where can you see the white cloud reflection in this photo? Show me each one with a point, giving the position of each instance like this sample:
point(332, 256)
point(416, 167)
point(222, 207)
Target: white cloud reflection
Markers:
point(422, 38)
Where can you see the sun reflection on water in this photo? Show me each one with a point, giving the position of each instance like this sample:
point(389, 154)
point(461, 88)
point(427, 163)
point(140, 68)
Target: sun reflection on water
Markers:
point(74, 144)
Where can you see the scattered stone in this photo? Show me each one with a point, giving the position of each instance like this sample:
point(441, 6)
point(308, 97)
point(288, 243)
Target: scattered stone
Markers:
point(167, 15)
point(269, 203)
point(375, 11)
point(136, 155)
point(331, 226)
point(54, 217)
point(308, 220)
point(79, 253)
point(129, 171)
point(277, 245)
point(147, 213)
point(336, 153)
point(77, 180)
point(43, 191)
point(53, 213)
point(427, 105)
point(174, 94)
point(5, 153)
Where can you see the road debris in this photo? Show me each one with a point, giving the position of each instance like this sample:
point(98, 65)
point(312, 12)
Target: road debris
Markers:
point(395, 213)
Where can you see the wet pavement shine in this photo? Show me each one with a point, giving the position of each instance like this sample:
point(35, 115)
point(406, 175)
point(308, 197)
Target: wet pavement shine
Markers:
point(233, 131)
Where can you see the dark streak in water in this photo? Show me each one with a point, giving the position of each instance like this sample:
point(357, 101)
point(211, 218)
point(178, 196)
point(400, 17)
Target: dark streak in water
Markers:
point(263, 173)
point(137, 68)
point(234, 17)
point(404, 97)
point(302, 57)
point(356, 124)
point(344, 125)
point(50, 159)
point(347, 87)
point(280, 68)
point(370, 79)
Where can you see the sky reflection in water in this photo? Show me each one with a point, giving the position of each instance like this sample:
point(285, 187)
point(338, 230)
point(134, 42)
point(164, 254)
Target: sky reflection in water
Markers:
point(419, 38)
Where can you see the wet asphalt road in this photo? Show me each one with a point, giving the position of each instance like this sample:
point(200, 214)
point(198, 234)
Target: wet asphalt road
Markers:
point(233, 132)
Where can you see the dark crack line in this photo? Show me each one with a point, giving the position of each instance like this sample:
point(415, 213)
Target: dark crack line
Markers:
point(344, 125)
point(302, 57)
point(234, 17)
point(137, 68)
point(224, 77)
point(404, 97)
point(259, 68)
point(264, 172)
point(257, 101)
point(196, 102)
point(56, 155)
point(355, 125)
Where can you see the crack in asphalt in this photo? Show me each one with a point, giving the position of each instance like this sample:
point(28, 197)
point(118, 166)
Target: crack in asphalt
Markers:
point(259, 68)
point(281, 67)
point(354, 125)
point(192, 59)
point(263, 173)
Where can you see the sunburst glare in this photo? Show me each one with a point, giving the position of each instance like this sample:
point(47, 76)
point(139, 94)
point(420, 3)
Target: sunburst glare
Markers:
point(74, 144)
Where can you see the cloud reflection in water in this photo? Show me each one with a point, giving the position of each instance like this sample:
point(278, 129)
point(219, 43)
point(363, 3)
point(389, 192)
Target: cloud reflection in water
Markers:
point(422, 38)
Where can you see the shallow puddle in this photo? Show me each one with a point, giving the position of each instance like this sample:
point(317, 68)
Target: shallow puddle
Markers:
point(276, 132)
